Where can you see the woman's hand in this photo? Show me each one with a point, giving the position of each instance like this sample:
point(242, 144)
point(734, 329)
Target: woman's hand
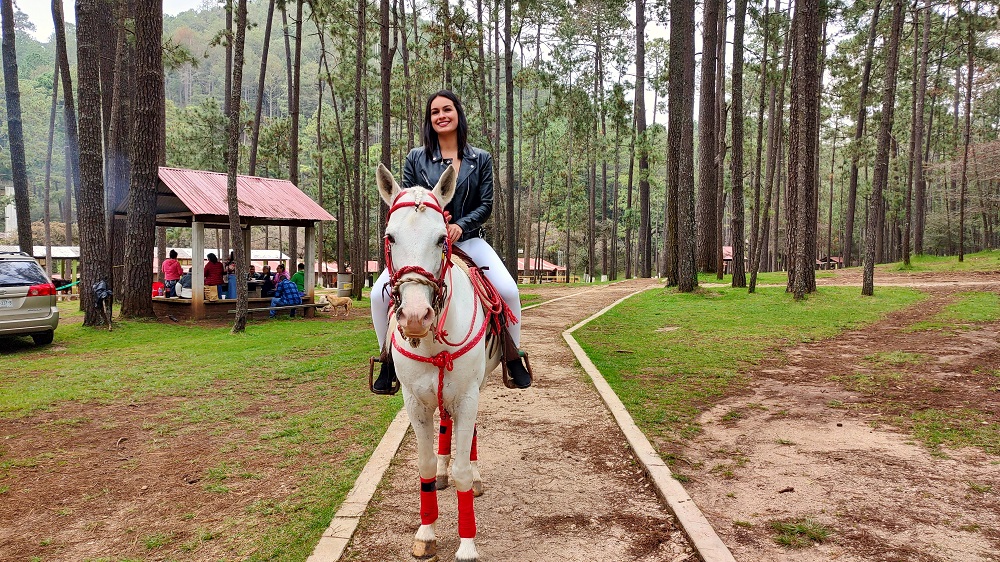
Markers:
point(454, 233)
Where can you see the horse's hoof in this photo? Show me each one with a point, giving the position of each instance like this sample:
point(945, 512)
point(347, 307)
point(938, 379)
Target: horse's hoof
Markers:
point(442, 481)
point(477, 488)
point(425, 550)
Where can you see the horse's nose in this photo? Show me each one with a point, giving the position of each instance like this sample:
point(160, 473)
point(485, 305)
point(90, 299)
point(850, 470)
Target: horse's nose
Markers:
point(416, 320)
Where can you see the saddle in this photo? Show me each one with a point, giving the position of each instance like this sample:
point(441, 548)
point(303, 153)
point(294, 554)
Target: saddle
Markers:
point(499, 315)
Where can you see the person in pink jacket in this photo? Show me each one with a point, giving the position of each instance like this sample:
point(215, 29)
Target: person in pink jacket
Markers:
point(172, 272)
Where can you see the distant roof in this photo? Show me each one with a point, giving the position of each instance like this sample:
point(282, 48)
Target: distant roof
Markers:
point(58, 252)
point(537, 264)
point(186, 195)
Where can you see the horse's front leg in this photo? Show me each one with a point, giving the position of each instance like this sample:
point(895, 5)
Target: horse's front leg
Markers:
point(464, 474)
point(444, 452)
point(422, 420)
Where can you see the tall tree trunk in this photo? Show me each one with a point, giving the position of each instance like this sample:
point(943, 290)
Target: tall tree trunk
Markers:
point(407, 80)
point(510, 253)
point(967, 135)
point(859, 131)
point(764, 66)
point(739, 23)
point(293, 152)
point(916, 143)
point(48, 172)
point(681, 144)
point(358, 261)
point(69, 105)
point(829, 222)
point(707, 139)
point(720, 134)
point(446, 46)
point(232, 166)
point(920, 182)
point(882, 151)
point(227, 94)
point(803, 129)
point(15, 132)
point(645, 237)
point(94, 264)
point(255, 136)
point(141, 219)
point(118, 147)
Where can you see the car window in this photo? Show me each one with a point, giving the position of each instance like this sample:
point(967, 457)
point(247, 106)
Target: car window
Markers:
point(15, 273)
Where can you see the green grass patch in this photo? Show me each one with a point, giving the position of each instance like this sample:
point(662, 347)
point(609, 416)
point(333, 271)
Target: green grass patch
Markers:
point(971, 307)
point(763, 278)
point(669, 356)
point(528, 299)
point(295, 390)
point(799, 533)
point(954, 428)
point(987, 260)
point(896, 358)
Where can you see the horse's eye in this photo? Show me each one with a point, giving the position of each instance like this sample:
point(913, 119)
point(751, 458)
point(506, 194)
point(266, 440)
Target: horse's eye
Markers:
point(390, 238)
point(441, 240)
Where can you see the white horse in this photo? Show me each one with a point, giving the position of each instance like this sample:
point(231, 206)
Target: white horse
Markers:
point(439, 350)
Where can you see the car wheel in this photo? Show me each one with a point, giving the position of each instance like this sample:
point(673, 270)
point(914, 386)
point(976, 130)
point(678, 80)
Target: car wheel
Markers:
point(43, 338)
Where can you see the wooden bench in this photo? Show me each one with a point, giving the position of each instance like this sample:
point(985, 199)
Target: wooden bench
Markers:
point(291, 307)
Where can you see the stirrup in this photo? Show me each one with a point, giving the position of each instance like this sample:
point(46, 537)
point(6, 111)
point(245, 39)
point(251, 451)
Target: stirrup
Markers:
point(507, 380)
point(393, 388)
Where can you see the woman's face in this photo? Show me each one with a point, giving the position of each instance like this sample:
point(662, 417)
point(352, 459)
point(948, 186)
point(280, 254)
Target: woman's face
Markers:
point(444, 116)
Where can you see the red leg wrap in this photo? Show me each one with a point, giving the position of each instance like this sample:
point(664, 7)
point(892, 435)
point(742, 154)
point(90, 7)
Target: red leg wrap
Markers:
point(466, 516)
point(474, 455)
point(444, 438)
point(428, 501)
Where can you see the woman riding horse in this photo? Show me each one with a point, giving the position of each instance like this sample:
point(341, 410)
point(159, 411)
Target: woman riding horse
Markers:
point(445, 133)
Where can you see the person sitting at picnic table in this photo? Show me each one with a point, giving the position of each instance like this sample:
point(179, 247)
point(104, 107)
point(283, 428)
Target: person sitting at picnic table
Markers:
point(172, 272)
point(252, 273)
point(280, 274)
point(286, 294)
point(267, 289)
point(214, 271)
point(183, 286)
point(299, 278)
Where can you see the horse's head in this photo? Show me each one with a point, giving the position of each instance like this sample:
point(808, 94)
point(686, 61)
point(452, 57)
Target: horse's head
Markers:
point(416, 250)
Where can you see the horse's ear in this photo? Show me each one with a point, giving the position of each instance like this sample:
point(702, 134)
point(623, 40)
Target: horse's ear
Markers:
point(445, 188)
point(387, 186)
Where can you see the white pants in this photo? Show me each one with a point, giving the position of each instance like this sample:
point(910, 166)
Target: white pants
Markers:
point(485, 256)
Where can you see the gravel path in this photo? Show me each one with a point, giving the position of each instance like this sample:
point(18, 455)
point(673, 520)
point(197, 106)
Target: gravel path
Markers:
point(560, 482)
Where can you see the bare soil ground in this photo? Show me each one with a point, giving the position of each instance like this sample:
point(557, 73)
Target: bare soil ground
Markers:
point(804, 441)
point(560, 482)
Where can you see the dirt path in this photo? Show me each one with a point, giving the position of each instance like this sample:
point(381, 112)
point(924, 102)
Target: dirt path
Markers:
point(824, 432)
point(560, 482)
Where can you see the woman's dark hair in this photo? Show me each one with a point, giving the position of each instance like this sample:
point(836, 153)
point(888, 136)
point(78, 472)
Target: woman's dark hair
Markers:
point(212, 257)
point(173, 254)
point(431, 136)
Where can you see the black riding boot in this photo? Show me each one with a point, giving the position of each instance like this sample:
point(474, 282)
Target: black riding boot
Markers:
point(386, 378)
point(518, 374)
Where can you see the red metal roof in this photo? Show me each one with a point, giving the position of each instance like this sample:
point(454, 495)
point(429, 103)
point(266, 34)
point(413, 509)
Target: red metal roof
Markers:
point(205, 193)
point(537, 264)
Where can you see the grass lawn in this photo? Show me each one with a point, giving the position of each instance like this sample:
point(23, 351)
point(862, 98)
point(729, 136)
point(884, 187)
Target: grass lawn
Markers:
point(287, 393)
point(987, 260)
point(669, 356)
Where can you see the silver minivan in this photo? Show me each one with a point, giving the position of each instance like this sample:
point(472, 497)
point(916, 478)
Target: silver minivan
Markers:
point(27, 299)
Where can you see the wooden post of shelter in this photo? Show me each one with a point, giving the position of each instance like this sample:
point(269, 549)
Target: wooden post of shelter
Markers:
point(197, 269)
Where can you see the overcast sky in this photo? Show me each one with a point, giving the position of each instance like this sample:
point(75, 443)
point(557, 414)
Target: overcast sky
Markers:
point(40, 13)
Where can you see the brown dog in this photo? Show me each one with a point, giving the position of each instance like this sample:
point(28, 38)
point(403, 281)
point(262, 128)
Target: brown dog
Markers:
point(337, 302)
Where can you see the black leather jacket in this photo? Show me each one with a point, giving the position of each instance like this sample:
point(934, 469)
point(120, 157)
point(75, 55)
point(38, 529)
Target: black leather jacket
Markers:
point(473, 201)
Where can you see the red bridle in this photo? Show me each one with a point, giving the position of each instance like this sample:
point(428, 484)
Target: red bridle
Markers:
point(416, 273)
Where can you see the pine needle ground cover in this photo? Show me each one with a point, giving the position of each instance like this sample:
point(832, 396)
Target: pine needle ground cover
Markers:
point(182, 441)
point(669, 356)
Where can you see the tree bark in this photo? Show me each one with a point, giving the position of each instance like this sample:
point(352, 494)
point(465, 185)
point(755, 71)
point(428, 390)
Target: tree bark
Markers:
point(739, 273)
point(510, 253)
point(681, 141)
point(859, 130)
point(232, 167)
point(645, 238)
point(881, 177)
point(802, 154)
point(764, 66)
point(707, 140)
point(94, 266)
point(141, 220)
point(69, 105)
point(967, 135)
point(15, 132)
point(48, 172)
point(293, 155)
point(920, 183)
point(361, 61)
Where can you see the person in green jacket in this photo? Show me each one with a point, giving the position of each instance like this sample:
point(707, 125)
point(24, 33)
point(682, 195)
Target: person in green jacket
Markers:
point(299, 278)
